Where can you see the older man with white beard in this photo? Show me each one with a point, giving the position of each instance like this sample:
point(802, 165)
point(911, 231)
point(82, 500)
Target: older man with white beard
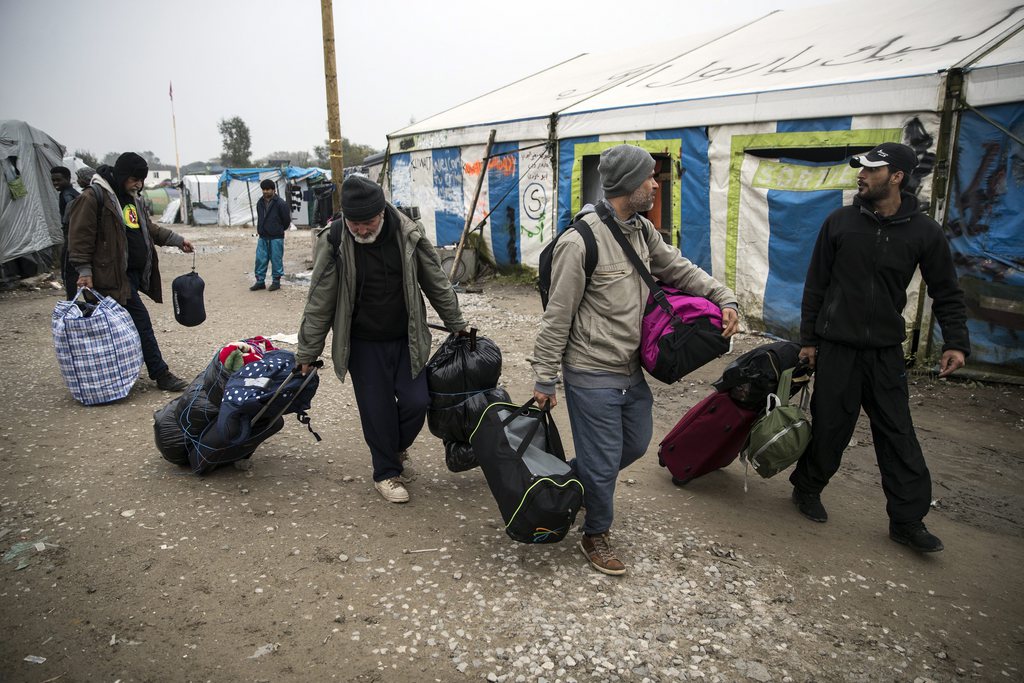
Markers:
point(371, 268)
point(591, 333)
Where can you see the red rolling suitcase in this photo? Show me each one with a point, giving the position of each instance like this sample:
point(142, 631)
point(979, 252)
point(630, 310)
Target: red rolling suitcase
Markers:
point(708, 437)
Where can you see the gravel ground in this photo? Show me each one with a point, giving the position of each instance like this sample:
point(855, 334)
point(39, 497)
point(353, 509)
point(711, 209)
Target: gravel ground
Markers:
point(119, 566)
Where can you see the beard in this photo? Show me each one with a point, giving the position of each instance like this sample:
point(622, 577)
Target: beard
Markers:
point(871, 193)
point(368, 239)
point(640, 200)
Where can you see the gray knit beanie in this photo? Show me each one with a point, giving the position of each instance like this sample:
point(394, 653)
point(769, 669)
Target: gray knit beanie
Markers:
point(624, 168)
point(85, 175)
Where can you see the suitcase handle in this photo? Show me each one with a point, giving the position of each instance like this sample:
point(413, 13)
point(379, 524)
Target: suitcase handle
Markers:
point(312, 373)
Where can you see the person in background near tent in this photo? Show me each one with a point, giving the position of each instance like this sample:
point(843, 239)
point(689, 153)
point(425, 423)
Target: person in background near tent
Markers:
point(272, 219)
point(371, 269)
point(84, 176)
point(591, 331)
point(852, 330)
point(60, 177)
point(113, 248)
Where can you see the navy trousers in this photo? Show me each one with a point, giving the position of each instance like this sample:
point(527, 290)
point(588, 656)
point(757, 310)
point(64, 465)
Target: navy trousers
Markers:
point(392, 403)
point(155, 364)
point(611, 429)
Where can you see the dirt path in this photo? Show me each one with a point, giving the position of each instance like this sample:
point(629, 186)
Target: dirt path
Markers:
point(297, 570)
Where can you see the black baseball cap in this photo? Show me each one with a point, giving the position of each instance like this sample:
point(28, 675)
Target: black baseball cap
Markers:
point(900, 157)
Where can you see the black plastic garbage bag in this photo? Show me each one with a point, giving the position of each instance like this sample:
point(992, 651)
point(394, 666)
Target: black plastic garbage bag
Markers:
point(461, 367)
point(183, 420)
point(459, 456)
point(457, 422)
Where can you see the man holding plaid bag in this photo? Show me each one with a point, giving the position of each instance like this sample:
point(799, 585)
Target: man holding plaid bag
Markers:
point(112, 246)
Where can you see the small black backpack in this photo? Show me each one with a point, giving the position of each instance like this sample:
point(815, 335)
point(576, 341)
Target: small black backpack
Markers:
point(548, 254)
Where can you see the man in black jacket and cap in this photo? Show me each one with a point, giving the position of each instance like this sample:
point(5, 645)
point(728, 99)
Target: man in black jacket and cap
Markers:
point(852, 331)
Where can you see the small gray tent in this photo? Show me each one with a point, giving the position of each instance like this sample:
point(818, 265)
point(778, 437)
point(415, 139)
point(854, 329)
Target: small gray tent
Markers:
point(29, 220)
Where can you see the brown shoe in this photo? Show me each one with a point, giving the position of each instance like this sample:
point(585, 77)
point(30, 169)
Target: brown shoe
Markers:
point(601, 555)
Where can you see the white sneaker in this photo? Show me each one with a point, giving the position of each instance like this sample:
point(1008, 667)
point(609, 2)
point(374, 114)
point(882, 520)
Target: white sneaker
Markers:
point(392, 490)
point(409, 473)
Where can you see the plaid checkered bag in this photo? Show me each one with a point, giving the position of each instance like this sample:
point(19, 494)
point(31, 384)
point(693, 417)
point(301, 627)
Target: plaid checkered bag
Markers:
point(97, 347)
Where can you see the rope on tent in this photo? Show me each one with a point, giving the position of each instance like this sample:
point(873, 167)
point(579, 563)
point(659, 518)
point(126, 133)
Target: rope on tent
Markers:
point(1016, 138)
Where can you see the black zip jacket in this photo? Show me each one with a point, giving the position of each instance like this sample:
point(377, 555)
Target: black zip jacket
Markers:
point(856, 286)
point(272, 221)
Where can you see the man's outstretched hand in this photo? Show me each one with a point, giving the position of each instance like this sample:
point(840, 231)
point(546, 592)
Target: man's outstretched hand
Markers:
point(952, 360)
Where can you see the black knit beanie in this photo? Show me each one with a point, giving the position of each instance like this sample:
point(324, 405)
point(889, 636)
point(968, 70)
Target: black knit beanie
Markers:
point(130, 165)
point(361, 198)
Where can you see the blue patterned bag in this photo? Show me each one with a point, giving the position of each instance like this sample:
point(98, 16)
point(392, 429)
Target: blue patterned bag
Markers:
point(97, 348)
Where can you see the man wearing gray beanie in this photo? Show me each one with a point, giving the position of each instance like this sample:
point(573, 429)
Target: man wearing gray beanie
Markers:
point(370, 272)
point(590, 332)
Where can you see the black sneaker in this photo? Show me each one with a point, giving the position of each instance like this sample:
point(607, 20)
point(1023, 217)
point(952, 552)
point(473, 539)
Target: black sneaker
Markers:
point(274, 286)
point(170, 382)
point(809, 505)
point(915, 535)
point(258, 286)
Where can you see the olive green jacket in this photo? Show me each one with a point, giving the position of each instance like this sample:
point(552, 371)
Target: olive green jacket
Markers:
point(332, 298)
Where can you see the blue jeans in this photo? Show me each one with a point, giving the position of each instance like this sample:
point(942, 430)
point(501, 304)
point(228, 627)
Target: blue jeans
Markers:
point(611, 429)
point(155, 364)
point(269, 250)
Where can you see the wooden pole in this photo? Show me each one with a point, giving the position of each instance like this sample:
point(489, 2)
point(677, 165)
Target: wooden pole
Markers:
point(333, 116)
point(472, 207)
point(174, 127)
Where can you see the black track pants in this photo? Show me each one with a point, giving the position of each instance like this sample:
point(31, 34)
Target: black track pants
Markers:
point(845, 380)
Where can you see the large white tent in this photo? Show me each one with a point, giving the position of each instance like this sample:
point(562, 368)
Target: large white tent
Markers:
point(752, 127)
point(239, 190)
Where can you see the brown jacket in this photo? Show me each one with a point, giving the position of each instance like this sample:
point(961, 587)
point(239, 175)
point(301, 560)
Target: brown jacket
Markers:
point(101, 250)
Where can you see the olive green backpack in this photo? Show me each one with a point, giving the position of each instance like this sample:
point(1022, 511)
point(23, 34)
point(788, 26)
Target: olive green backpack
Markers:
point(781, 435)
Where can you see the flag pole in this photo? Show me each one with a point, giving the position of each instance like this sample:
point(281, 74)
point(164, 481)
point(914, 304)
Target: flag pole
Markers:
point(174, 127)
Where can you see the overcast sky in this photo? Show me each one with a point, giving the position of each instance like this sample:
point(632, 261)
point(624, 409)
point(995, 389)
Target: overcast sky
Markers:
point(95, 74)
